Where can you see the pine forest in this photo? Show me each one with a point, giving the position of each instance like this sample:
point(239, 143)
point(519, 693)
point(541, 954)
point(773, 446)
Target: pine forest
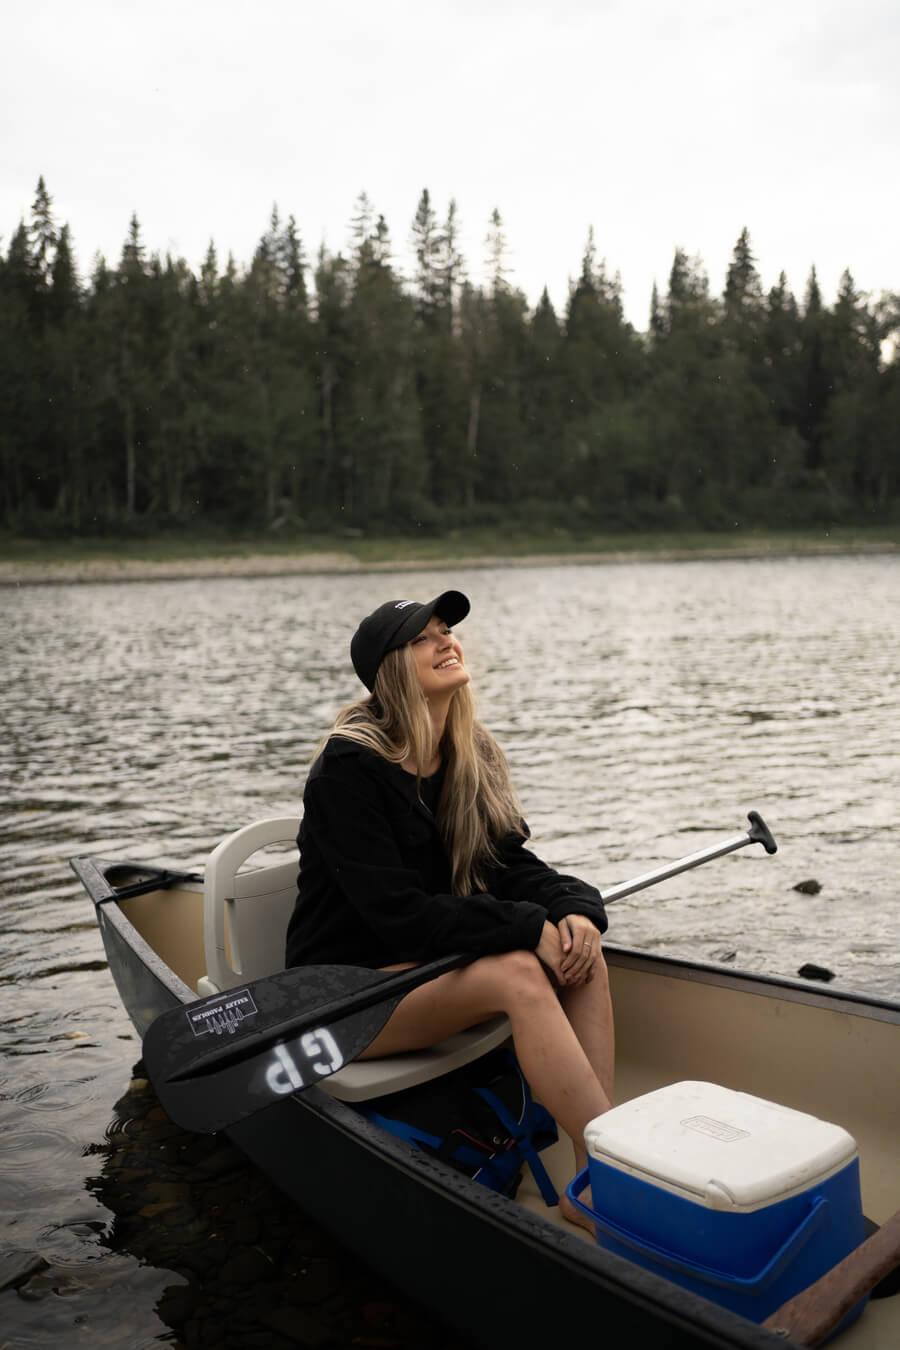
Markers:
point(295, 394)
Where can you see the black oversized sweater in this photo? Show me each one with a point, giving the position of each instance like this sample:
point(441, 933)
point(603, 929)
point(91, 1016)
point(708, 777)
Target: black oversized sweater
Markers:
point(374, 882)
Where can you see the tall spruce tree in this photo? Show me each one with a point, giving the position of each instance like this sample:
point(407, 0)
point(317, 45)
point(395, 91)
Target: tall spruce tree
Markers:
point(438, 368)
point(602, 369)
point(743, 299)
point(132, 379)
point(851, 452)
point(66, 364)
point(816, 379)
point(43, 236)
point(20, 398)
point(502, 318)
point(544, 408)
point(381, 437)
point(685, 398)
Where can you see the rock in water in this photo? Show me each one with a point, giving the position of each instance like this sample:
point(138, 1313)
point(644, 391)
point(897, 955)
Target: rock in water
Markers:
point(813, 972)
point(810, 887)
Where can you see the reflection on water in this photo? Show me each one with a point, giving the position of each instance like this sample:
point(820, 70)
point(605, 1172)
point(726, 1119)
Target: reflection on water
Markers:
point(644, 708)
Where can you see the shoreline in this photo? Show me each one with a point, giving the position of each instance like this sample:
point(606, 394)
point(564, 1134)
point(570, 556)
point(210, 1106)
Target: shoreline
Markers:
point(111, 570)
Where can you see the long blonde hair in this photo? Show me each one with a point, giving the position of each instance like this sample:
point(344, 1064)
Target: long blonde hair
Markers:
point(478, 804)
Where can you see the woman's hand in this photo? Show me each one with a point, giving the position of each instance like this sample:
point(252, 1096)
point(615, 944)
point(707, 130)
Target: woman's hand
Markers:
point(580, 944)
point(549, 951)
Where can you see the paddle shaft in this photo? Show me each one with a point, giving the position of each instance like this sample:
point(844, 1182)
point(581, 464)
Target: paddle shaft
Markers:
point(810, 1316)
point(758, 834)
point(391, 988)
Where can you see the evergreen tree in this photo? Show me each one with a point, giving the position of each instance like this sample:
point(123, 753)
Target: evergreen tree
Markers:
point(851, 451)
point(450, 266)
point(473, 332)
point(602, 365)
point(291, 263)
point(131, 378)
point(65, 360)
point(381, 437)
point(439, 374)
point(20, 403)
point(782, 346)
point(544, 406)
point(497, 253)
point(334, 363)
point(65, 290)
point(426, 241)
point(657, 320)
point(749, 423)
point(42, 235)
point(743, 299)
point(684, 403)
point(502, 430)
point(816, 380)
point(278, 420)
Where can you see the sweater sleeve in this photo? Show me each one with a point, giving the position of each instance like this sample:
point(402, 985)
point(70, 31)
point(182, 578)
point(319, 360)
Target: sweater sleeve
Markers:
point(361, 853)
point(525, 877)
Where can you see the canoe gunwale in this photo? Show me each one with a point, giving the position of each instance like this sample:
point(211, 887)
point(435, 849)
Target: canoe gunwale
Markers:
point(854, 1002)
point(112, 916)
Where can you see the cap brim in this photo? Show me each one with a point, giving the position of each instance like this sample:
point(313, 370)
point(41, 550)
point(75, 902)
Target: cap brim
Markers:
point(451, 606)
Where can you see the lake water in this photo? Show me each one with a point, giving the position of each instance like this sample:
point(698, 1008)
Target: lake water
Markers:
point(645, 709)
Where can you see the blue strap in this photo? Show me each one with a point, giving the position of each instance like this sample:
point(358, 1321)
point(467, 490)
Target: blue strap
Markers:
point(403, 1130)
point(522, 1133)
point(464, 1153)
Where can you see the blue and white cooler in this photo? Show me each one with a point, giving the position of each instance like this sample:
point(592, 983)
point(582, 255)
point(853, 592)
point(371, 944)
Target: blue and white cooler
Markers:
point(743, 1201)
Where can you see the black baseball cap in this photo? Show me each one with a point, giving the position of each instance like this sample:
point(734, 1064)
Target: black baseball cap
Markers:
point(395, 623)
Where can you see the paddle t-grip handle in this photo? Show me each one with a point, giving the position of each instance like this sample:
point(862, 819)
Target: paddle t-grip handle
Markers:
point(759, 832)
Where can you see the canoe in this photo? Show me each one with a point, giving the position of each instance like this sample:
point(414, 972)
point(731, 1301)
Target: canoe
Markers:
point(510, 1271)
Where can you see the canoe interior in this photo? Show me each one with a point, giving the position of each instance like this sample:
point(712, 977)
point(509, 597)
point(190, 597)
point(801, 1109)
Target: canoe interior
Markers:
point(836, 1058)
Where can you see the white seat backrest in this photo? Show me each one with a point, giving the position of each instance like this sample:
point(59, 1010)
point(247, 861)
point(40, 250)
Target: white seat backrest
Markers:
point(255, 905)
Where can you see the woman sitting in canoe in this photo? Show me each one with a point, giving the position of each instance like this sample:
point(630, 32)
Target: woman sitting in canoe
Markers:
point(412, 846)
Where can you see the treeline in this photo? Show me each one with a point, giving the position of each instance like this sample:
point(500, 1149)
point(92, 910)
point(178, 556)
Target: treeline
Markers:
point(338, 394)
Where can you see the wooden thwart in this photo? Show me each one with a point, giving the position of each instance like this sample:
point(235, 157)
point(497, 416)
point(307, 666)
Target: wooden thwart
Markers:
point(810, 1316)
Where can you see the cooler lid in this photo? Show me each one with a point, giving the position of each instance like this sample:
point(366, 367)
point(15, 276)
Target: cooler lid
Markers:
point(717, 1147)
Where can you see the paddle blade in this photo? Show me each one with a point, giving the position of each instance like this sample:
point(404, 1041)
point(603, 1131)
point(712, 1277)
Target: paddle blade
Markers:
point(218, 1060)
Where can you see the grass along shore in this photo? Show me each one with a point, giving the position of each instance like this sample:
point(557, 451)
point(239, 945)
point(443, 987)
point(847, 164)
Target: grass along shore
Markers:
point(170, 556)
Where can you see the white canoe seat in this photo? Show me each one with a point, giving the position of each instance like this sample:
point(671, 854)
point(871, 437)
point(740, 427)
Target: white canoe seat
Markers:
point(245, 919)
point(246, 914)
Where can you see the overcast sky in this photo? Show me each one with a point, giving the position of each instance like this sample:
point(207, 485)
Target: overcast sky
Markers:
point(660, 124)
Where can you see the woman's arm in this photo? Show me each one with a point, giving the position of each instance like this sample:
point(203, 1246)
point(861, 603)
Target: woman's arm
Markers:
point(523, 876)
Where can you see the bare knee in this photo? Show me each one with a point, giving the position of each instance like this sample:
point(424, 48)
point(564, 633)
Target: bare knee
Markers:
point(519, 975)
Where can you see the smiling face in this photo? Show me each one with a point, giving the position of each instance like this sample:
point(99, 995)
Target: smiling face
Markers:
point(440, 664)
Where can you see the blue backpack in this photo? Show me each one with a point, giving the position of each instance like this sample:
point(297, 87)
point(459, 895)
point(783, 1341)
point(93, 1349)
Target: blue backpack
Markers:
point(481, 1119)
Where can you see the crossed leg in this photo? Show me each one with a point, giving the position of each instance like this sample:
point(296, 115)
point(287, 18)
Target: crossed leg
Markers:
point(563, 1040)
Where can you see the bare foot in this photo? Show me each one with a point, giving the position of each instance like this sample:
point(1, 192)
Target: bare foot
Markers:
point(572, 1214)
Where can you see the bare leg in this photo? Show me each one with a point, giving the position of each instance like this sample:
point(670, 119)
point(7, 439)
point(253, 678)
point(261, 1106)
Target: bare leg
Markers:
point(547, 1046)
point(589, 1009)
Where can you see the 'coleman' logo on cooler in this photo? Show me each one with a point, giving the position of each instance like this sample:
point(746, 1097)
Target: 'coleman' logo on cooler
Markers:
point(716, 1129)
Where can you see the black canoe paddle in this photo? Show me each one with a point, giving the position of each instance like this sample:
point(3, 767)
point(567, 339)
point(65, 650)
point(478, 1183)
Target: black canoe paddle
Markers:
point(220, 1059)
